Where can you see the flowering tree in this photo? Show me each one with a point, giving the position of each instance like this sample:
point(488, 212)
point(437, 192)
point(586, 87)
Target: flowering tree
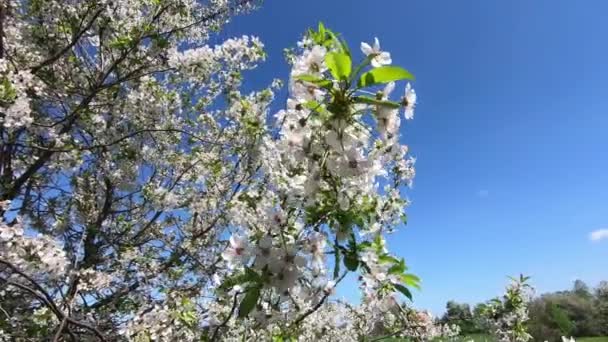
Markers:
point(507, 316)
point(144, 197)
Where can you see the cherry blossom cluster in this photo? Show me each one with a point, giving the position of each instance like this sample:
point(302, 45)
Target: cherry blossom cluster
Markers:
point(145, 196)
point(38, 255)
point(508, 315)
point(14, 100)
point(339, 320)
point(333, 170)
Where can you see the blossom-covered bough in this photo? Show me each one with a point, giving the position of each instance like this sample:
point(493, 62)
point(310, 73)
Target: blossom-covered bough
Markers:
point(507, 316)
point(330, 172)
point(144, 197)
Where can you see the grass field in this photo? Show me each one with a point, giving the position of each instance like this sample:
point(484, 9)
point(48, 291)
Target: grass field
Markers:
point(486, 338)
point(476, 338)
point(592, 339)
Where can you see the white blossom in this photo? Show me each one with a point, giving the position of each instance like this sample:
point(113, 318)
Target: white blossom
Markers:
point(379, 57)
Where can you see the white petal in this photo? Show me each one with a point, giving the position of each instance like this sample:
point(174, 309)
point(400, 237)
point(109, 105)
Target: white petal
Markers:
point(408, 87)
point(234, 241)
point(376, 45)
point(388, 89)
point(411, 97)
point(409, 113)
point(384, 58)
point(366, 49)
point(375, 63)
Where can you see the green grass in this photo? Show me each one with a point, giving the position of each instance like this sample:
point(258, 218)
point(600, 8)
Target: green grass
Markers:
point(475, 338)
point(478, 338)
point(487, 338)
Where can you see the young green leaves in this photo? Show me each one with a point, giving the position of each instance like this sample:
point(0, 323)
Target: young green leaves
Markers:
point(384, 74)
point(249, 301)
point(339, 64)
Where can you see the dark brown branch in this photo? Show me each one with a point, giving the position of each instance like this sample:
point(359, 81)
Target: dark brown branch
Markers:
point(45, 298)
point(67, 48)
point(223, 324)
point(319, 304)
point(60, 329)
point(2, 16)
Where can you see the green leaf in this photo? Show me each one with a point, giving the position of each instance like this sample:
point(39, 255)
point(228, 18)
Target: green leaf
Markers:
point(411, 280)
point(351, 261)
point(317, 108)
point(251, 275)
point(344, 46)
point(387, 258)
point(249, 302)
point(323, 83)
point(321, 29)
point(373, 101)
point(398, 267)
point(406, 292)
point(121, 42)
point(7, 91)
point(248, 276)
point(339, 65)
point(364, 245)
point(384, 74)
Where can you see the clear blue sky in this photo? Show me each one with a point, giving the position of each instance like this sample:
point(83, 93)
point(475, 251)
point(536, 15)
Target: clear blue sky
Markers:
point(511, 132)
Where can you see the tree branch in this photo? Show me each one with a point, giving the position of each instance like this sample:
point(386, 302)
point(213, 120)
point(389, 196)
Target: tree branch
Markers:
point(223, 324)
point(45, 298)
point(319, 304)
point(67, 48)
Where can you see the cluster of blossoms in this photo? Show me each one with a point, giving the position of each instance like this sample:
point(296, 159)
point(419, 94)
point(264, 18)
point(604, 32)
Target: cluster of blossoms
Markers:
point(201, 64)
point(39, 255)
point(341, 321)
point(422, 326)
point(14, 98)
point(333, 167)
point(507, 316)
point(145, 197)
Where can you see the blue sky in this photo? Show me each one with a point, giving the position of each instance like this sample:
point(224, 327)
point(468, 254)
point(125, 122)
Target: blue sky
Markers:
point(510, 134)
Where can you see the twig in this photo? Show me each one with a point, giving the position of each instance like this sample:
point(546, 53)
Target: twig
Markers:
point(43, 296)
point(319, 304)
point(75, 40)
point(223, 324)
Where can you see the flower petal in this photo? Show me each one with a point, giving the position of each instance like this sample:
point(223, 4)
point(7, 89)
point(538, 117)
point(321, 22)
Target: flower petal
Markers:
point(388, 90)
point(384, 58)
point(366, 49)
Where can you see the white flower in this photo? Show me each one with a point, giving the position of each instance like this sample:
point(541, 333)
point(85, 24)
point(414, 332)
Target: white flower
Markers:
point(264, 253)
point(316, 243)
point(388, 89)
point(409, 101)
point(353, 163)
point(379, 58)
point(312, 62)
point(286, 279)
point(238, 251)
point(329, 287)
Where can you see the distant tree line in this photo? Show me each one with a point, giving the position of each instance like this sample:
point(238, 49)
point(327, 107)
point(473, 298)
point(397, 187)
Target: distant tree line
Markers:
point(579, 312)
